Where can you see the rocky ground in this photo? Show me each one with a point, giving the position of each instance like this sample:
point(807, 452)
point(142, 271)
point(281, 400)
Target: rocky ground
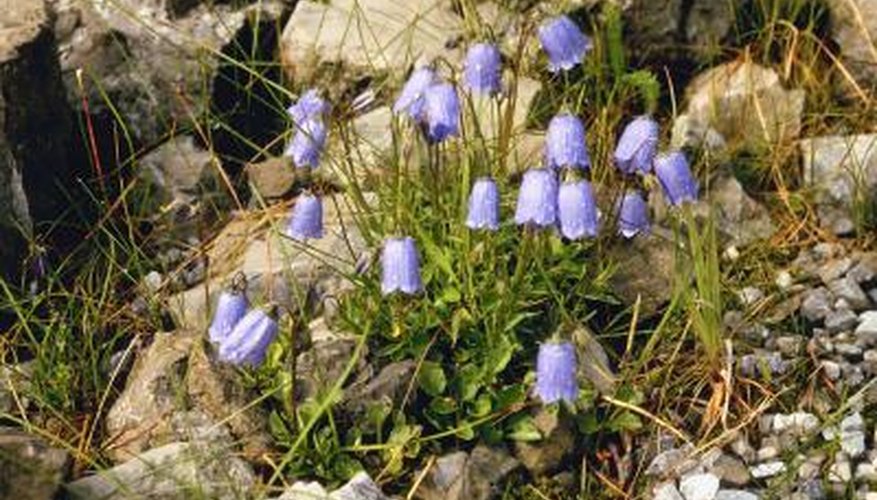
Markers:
point(181, 425)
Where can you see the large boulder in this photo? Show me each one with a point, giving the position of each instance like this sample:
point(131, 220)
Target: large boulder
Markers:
point(842, 173)
point(854, 28)
point(738, 104)
point(163, 63)
point(35, 129)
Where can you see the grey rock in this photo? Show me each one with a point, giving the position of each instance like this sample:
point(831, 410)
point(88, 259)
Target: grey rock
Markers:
point(743, 449)
point(750, 295)
point(767, 469)
point(672, 462)
point(741, 218)
point(666, 491)
point(654, 251)
point(841, 470)
point(547, 454)
point(30, 468)
point(865, 271)
point(276, 268)
point(301, 490)
point(736, 495)
point(360, 487)
point(726, 98)
point(174, 471)
point(849, 351)
point(461, 476)
point(866, 472)
point(272, 179)
point(318, 368)
point(840, 320)
point(731, 470)
point(158, 71)
point(767, 452)
point(387, 388)
point(835, 269)
point(838, 167)
point(866, 331)
point(14, 383)
point(790, 345)
point(593, 361)
point(816, 304)
point(831, 369)
point(854, 29)
point(699, 486)
point(853, 443)
point(399, 35)
point(798, 423)
point(846, 288)
point(35, 131)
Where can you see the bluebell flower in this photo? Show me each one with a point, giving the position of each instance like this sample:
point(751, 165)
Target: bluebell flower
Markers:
point(633, 215)
point(564, 43)
point(483, 205)
point(556, 373)
point(537, 199)
point(306, 221)
point(307, 144)
point(482, 69)
point(400, 267)
point(675, 177)
point(442, 109)
point(231, 306)
point(309, 106)
point(412, 99)
point(577, 210)
point(565, 143)
point(249, 340)
point(637, 146)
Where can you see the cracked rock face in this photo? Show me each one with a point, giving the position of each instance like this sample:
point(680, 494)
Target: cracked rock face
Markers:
point(35, 128)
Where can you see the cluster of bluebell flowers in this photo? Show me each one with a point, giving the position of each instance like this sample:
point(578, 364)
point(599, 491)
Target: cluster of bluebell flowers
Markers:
point(241, 334)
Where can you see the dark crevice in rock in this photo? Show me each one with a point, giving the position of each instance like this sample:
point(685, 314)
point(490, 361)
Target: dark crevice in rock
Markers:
point(247, 103)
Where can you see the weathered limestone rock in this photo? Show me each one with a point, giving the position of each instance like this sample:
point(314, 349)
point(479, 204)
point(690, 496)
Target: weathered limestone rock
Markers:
point(742, 103)
point(840, 169)
point(854, 28)
point(35, 129)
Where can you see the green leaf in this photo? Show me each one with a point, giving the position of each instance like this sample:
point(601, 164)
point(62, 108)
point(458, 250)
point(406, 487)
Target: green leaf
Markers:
point(625, 421)
point(469, 380)
point(450, 295)
point(525, 430)
point(466, 433)
point(482, 406)
point(432, 378)
point(443, 406)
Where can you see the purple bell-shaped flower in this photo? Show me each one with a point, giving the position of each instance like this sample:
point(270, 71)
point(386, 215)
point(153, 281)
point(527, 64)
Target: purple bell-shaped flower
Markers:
point(556, 373)
point(637, 146)
point(412, 98)
point(577, 210)
point(306, 221)
point(537, 199)
point(482, 69)
point(400, 267)
point(483, 205)
point(564, 43)
point(633, 215)
point(309, 106)
point(249, 340)
point(307, 144)
point(442, 109)
point(231, 306)
point(565, 143)
point(675, 177)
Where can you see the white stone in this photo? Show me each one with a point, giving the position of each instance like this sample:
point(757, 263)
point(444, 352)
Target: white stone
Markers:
point(853, 443)
point(784, 280)
point(736, 495)
point(768, 469)
point(667, 491)
point(836, 164)
point(699, 487)
point(799, 423)
point(840, 471)
point(867, 323)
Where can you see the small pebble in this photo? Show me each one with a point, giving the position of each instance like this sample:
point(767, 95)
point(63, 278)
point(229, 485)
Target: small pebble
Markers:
point(840, 471)
point(750, 295)
point(841, 320)
point(735, 495)
point(866, 472)
point(790, 345)
point(699, 487)
point(784, 280)
point(667, 491)
point(816, 304)
point(768, 469)
point(847, 289)
point(834, 269)
point(831, 369)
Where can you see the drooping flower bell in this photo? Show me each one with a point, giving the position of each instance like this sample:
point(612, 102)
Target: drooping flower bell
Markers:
point(564, 43)
point(633, 215)
point(577, 210)
point(675, 177)
point(565, 143)
point(637, 146)
point(306, 221)
point(412, 98)
point(400, 267)
point(556, 373)
point(249, 340)
point(307, 144)
point(442, 108)
point(231, 306)
point(537, 199)
point(483, 205)
point(308, 107)
point(482, 69)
